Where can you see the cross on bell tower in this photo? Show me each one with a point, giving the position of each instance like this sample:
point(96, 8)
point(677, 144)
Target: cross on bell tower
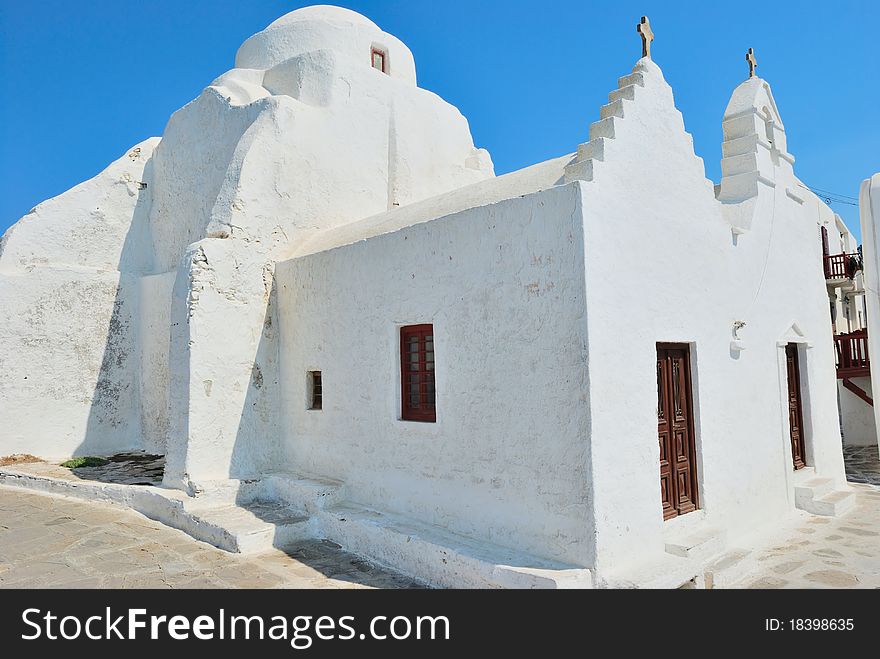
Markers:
point(644, 29)
point(753, 63)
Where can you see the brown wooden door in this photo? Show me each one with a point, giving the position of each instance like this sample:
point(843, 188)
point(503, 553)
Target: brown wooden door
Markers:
point(795, 410)
point(675, 429)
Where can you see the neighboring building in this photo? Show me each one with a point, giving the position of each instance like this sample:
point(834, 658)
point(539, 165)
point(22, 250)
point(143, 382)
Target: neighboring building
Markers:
point(842, 261)
point(314, 290)
point(869, 211)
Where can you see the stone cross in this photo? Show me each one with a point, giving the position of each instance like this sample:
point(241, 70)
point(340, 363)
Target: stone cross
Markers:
point(753, 63)
point(644, 29)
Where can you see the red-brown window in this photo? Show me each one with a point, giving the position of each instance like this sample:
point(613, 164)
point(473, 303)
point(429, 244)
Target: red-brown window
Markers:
point(377, 59)
point(419, 396)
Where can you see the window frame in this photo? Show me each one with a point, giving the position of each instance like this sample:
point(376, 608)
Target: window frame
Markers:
point(423, 413)
point(316, 391)
point(381, 53)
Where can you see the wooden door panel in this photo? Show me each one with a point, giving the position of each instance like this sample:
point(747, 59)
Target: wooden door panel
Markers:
point(678, 482)
point(795, 407)
point(681, 447)
point(667, 489)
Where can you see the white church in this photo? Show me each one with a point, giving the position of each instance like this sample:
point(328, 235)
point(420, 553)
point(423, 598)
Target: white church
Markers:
point(313, 293)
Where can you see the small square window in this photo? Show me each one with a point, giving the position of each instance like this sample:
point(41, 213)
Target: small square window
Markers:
point(315, 393)
point(378, 60)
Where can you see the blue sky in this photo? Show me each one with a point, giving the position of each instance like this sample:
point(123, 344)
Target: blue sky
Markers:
point(80, 82)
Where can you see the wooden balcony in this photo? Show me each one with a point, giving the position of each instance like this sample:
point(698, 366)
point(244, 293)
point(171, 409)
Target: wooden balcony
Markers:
point(842, 266)
point(851, 352)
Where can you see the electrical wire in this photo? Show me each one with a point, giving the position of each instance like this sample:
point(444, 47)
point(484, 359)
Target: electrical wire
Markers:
point(832, 197)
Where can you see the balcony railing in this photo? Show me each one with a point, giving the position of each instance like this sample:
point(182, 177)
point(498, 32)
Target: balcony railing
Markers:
point(851, 351)
point(842, 266)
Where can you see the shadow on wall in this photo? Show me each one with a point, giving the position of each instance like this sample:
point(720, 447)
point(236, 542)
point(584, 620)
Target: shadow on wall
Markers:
point(113, 423)
point(256, 449)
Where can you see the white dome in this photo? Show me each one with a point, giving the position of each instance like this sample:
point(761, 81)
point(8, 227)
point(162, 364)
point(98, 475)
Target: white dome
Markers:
point(327, 13)
point(345, 33)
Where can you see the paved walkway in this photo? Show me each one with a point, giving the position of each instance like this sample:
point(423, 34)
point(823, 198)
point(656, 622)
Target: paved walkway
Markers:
point(48, 541)
point(57, 542)
point(825, 552)
point(862, 464)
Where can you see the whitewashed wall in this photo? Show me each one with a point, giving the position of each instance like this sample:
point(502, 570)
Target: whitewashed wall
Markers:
point(305, 135)
point(856, 416)
point(155, 332)
point(655, 230)
point(69, 364)
point(869, 213)
point(507, 460)
point(223, 372)
point(69, 297)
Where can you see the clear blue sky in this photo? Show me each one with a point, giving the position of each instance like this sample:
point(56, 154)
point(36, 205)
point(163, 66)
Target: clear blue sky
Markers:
point(80, 82)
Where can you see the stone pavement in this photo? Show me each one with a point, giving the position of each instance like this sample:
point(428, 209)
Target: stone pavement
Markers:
point(862, 464)
point(134, 468)
point(56, 542)
point(50, 541)
point(825, 552)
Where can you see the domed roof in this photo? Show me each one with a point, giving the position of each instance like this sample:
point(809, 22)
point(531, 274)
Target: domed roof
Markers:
point(345, 33)
point(325, 13)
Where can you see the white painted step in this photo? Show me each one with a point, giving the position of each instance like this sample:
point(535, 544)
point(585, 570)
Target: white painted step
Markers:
point(812, 489)
point(592, 150)
point(249, 529)
point(602, 128)
point(579, 170)
point(628, 92)
point(834, 504)
point(667, 572)
point(699, 545)
point(612, 109)
point(818, 496)
point(631, 79)
point(730, 568)
point(439, 557)
point(310, 494)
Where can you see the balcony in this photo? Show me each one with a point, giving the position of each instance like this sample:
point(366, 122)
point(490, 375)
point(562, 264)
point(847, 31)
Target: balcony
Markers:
point(851, 352)
point(841, 267)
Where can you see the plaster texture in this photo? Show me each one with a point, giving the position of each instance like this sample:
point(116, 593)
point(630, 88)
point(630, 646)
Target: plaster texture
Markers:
point(69, 330)
point(306, 205)
point(503, 285)
point(856, 416)
point(690, 268)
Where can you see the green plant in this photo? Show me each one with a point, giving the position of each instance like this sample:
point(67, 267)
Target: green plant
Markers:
point(85, 461)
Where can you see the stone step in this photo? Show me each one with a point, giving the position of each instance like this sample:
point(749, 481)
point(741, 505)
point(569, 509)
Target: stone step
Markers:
point(628, 93)
point(730, 568)
point(602, 128)
point(814, 488)
point(302, 493)
point(699, 545)
point(637, 78)
point(229, 492)
point(249, 529)
point(834, 504)
point(579, 170)
point(592, 150)
point(440, 557)
point(612, 109)
point(666, 572)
